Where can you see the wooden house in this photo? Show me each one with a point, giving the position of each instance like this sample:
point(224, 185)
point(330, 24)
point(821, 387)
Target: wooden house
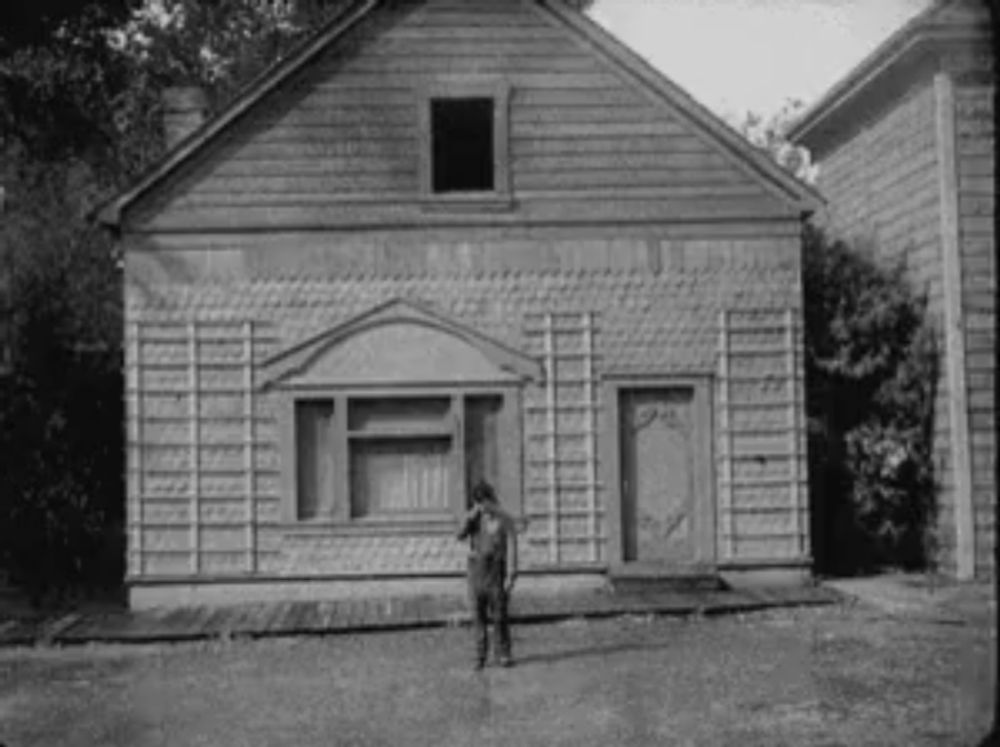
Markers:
point(904, 145)
point(449, 240)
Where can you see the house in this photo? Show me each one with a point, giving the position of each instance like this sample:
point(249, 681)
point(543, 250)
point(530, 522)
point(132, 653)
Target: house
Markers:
point(452, 240)
point(904, 147)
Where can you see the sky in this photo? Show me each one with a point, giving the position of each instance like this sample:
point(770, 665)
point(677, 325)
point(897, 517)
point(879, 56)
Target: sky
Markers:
point(736, 56)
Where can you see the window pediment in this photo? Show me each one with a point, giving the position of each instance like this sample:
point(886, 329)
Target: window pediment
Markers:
point(398, 344)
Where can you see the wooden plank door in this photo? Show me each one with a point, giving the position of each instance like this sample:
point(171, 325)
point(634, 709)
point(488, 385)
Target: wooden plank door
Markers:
point(659, 462)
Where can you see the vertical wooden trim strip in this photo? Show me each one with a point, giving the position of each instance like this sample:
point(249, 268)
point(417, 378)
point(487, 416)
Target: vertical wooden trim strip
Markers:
point(501, 140)
point(550, 402)
point(195, 437)
point(248, 434)
point(793, 422)
point(137, 564)
point(342, 487)
point(954, 329)
point(726, 426)
point(591, 440)
point(458, 474)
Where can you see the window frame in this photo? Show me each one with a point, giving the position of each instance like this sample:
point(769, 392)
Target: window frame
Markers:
point(499, 197)
point(338, 519)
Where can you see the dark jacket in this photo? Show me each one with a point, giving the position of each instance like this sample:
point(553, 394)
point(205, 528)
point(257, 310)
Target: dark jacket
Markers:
point(492, 539)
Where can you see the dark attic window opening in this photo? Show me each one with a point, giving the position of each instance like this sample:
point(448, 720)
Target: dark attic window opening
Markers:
point(462, 145)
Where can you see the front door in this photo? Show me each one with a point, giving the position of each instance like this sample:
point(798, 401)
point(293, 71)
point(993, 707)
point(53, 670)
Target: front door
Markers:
point(660, 460)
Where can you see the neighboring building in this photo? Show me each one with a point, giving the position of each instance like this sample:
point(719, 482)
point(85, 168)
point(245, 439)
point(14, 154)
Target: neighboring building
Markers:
point(904, 146)
point(454, 239)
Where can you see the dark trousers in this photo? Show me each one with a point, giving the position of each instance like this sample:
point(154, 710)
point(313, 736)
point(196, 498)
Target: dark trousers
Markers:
point(490, 599)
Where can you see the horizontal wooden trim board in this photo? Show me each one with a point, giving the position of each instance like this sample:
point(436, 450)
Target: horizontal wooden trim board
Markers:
point(747, 509)
point(766, 481)
point(565, 513)
point(208, 420)
point(185, 471)
point(184, 498)
point(735, 404)
point(179, 366)
point(778, 430)
point(566, 539)
point(558, 460)
point(574, 434)
point(763, 562)
point(564, 485)
point(565, 407)
point(184, 389)
point(181, 337)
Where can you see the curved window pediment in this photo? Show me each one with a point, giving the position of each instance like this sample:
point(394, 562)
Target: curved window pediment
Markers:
point(399, 353)
point(399, 344)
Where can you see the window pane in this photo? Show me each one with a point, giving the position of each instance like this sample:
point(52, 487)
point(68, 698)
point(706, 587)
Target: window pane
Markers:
point(398, 413)
point(400, 475)
point(313, 421)
point(482, 448)
point(462, 145)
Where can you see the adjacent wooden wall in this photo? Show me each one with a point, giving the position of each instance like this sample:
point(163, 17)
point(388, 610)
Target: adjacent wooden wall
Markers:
point(882, 182)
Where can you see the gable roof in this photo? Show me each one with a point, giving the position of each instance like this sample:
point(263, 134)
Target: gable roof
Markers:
point(937, 25)
point(780, 182)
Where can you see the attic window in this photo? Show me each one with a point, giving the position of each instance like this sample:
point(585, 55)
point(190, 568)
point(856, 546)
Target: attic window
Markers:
point(464, 136)
point(462, 158)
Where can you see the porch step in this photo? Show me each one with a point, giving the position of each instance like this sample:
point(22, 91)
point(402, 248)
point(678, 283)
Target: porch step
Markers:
point(632, 580)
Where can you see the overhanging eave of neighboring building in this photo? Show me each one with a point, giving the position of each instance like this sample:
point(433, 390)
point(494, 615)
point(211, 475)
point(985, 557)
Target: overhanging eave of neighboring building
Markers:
point(917, 47)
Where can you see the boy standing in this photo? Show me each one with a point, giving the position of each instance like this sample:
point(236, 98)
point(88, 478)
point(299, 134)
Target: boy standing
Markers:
point(492, 570)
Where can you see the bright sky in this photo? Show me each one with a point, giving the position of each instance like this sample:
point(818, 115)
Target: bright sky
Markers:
point(740, 55)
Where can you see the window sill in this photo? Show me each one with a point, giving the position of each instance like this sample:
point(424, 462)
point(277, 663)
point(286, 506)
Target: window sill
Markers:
point(372, 527)
point(467, 202)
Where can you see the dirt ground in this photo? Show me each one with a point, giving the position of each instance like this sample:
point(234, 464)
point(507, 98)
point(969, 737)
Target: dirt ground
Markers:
point(844, 675)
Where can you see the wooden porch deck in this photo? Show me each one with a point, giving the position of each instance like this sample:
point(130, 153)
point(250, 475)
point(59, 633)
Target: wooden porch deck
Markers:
point(358, 615)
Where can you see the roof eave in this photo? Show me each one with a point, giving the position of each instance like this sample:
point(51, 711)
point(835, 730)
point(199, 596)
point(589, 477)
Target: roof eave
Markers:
point(889, 57)
point(798, 194)
point(111, 212)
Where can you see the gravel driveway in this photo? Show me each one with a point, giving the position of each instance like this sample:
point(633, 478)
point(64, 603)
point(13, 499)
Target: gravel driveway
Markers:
point(825, 676)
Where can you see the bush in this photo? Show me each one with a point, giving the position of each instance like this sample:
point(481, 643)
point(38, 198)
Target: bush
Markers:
point(871, 372)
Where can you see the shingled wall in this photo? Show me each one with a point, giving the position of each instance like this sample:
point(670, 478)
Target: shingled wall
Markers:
point(202, 319)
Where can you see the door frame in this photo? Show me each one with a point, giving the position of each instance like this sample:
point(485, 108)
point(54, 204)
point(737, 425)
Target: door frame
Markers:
point(705, 489)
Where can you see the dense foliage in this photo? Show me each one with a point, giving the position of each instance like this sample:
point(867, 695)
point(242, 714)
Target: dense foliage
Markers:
point(79, 118)
point(871, 372)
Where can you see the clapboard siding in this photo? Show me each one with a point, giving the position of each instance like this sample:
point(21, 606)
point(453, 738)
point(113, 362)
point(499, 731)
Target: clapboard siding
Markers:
point(347, 128)
point(975, 128)
point(882, 186)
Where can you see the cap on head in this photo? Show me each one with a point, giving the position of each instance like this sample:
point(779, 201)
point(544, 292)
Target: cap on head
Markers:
point(483, 492)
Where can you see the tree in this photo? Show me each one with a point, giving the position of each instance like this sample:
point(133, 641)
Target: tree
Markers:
point(79, 117)
point(769, 134)
point(28, 24)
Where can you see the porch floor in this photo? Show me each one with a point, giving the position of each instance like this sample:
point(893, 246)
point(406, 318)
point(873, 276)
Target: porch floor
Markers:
point(357, 615)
